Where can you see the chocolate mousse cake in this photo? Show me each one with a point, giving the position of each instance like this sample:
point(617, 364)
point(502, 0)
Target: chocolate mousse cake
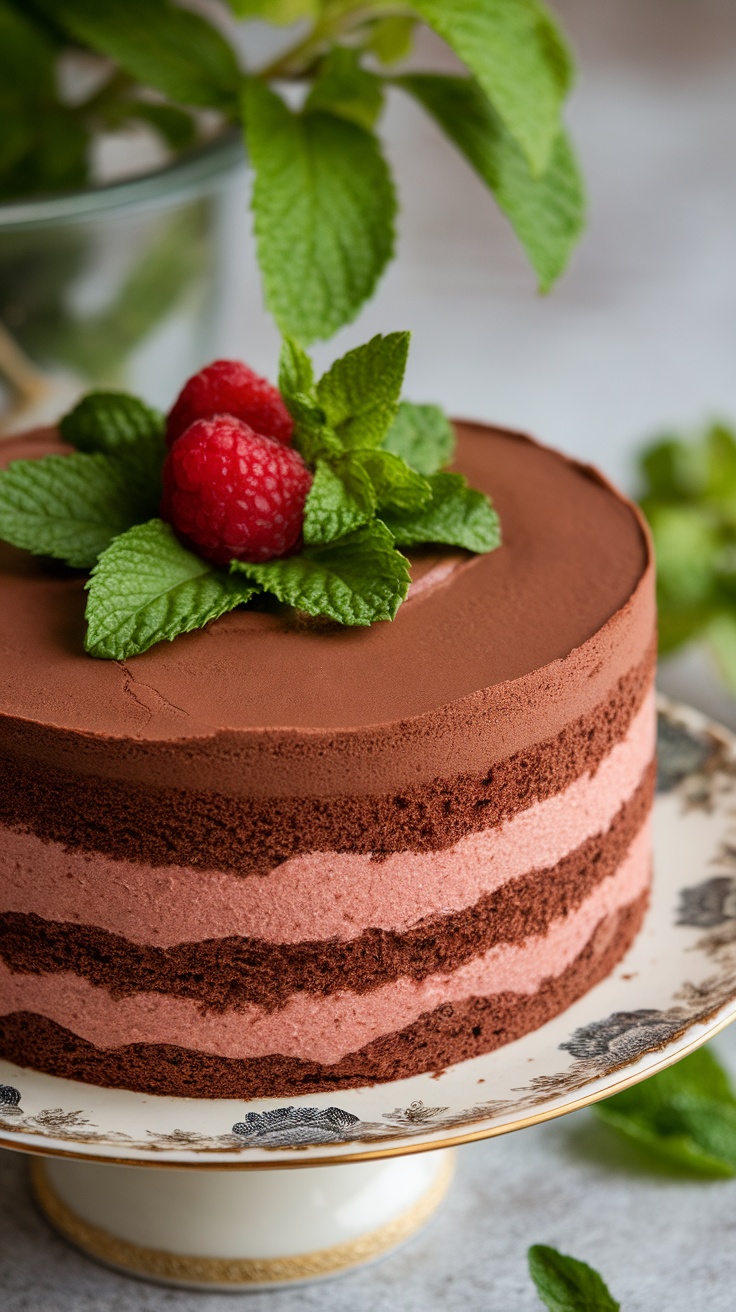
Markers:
point(277, 856)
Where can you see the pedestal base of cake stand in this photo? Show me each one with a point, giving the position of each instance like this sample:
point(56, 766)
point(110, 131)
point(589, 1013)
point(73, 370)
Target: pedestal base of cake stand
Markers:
point(240, 1230)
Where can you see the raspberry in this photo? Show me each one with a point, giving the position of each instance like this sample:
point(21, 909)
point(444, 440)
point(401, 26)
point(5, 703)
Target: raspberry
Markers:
point(228, 387)
point(233, 494)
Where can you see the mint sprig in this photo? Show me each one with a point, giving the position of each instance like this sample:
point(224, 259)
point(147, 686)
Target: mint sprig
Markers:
point(324, 203)
point(98, 507)
point(147, 588)
point(684, 1117)
point(356, 580)
point(68, 507)
point(565, 1284)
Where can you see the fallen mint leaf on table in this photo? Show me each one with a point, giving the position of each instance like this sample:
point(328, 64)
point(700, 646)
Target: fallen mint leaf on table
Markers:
point(146, 587)
point(355, 581)
point(324, 207)
point(685, 1116)
point(69, 507)
point(422, 435)
point(456, 515)
point(565, 1284)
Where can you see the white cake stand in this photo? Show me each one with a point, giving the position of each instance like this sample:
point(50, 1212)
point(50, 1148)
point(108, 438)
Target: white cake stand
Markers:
point(236, 1214)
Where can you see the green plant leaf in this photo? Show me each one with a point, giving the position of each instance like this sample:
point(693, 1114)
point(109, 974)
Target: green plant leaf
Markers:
point(26, 57)
point(686, 543)
point(507, 46)
point(68, 507)
point(360, 392)
point(546, 209)
point(360, 579)
point(159, 44)
point(279, 12)
point(343, 87)
point(340, 499)
point(175, 126)
point(54, 157)
point(324, 208)
point(147, 588)
point(556, 49)
point(391, 38)
point(423, 436)
point(313, 437)
point(457, 515)
point(398, 488)
point(565, 1284)
point(120, 425)
point(685, 1116)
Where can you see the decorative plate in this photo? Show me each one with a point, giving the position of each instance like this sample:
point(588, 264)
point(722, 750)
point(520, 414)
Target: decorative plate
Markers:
point(675, 988)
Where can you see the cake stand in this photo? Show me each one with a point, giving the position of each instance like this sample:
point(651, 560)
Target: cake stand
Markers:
point(225, 1208)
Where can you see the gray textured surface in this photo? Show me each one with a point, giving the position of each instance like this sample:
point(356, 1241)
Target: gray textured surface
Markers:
point(660, 1242)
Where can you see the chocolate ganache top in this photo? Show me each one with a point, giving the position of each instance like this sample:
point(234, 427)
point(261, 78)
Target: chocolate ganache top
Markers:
point(556, 614)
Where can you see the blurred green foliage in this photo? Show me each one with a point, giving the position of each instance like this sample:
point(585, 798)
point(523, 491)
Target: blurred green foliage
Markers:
point(689, 498)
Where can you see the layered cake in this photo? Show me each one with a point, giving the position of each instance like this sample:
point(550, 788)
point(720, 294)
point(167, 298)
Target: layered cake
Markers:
point(277, 856)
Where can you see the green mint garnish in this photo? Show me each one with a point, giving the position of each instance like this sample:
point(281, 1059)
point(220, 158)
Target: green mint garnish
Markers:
point(120, 425)
point(69, 507)
point(422, 435)
point(456, 515)
point(146, 587)
point(354, 581)
point(345, 88)
point(565, 1284)
point(97, 508)
point(685, 1116)
point(360, 393)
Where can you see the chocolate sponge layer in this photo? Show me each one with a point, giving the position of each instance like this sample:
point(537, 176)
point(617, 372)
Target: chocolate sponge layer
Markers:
point(451, 1033)
point(231, 972)
point(249, 836)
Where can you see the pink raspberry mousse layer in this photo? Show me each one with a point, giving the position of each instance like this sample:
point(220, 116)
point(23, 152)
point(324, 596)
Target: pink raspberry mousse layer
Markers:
point(324, 1030)
point(326, 894)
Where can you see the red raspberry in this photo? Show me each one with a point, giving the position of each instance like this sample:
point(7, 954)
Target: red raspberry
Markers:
point(228, 387)
point(233, 494)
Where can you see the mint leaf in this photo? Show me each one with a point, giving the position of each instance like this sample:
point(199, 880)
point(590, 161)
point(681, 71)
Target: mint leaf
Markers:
point(565, 1284)
point(686, 543)
point(146, 587)
point(422, 435)
point(546, 209)
point(114, 423)
point(507, 45)
point(721, 635)
point(397, 487)
point(391, 38)
point(26, 57)
point(345, 88)
point(120, 425)
point(324, 208)
point(175, 126)
point(457, 515)
point(159, 44)
point(280, 12)
point(355, 581)
point(313, 438)
point(360, 392)
point(338, 502)
point(684, 1116)
point(68, 507)
point(556, 50)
